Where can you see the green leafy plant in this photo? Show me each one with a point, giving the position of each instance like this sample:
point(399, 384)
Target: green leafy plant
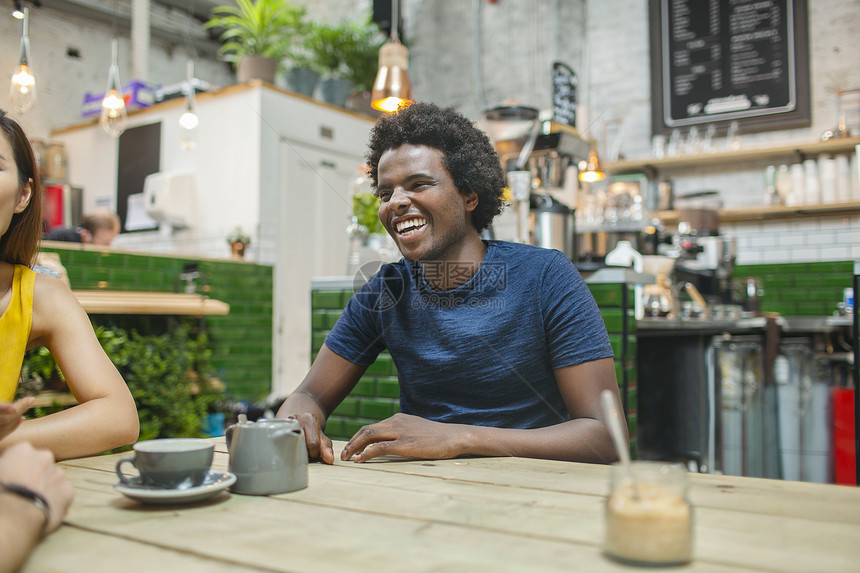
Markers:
point(238, 236)
point(347, 50)
point(365, 207)
point(363, 60)
point(268, 28)
point(169, 375)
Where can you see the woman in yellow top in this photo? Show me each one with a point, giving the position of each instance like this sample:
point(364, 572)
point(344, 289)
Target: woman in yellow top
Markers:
point(39, 310)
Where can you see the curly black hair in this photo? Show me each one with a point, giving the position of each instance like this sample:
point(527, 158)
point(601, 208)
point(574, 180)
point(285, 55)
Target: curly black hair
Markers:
point(467, 152)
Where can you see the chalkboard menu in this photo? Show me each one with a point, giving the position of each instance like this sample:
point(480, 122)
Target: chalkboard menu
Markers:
point(718, 61)
point(563, 94)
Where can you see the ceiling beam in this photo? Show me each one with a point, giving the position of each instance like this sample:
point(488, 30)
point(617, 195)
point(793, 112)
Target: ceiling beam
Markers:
point(167, 23)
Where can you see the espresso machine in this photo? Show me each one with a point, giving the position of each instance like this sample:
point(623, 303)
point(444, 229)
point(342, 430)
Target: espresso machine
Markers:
point(540, 158)
point(704, 258)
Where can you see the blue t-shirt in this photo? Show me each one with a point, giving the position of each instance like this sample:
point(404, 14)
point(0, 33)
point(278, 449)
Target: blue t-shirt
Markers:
point(483, 353)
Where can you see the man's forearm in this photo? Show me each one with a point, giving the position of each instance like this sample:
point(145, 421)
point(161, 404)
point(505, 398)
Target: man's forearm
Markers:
point(581, 440)
point(302, 402)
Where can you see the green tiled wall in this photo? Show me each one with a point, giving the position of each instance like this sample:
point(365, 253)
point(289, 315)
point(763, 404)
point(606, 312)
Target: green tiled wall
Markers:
point(241, 341)
point(376, 396)
point(609, 298)
point(800, 289)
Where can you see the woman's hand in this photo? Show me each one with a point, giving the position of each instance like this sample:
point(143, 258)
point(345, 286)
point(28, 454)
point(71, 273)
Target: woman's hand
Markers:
point(11, 414)
point(409, 436)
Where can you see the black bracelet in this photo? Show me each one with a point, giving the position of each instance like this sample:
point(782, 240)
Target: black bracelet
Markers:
point(30, 495)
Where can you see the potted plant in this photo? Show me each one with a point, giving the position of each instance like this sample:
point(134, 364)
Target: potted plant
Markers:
point(256, 35)
point(301, 71)
point(238, 242)
point(363, 63)
point(345, 52)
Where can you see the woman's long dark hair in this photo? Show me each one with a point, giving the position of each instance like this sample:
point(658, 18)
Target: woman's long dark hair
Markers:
point(20, 243)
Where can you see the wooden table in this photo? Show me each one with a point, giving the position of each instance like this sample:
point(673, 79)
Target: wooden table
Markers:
point(134, 302)
point(471, 515)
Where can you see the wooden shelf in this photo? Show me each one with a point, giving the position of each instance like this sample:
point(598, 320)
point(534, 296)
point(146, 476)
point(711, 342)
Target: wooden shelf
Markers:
point(797, 151)
point(774, 212)
point(166, 303)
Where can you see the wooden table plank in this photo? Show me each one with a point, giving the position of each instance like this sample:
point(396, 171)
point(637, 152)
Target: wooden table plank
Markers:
point(112, 554)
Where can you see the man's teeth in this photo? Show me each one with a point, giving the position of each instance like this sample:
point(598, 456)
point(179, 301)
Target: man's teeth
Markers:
point(410, 226)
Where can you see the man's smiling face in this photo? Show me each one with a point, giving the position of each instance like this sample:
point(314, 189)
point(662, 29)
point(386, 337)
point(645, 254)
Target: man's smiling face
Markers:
point(420, 207)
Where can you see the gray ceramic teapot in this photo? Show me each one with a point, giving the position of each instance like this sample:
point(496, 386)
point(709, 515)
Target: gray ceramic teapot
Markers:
point(268, 456)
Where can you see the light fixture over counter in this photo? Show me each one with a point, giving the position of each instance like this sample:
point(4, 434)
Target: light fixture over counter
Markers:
point(114, 116)
point(391, 89)
point(589, 171)
point(22, 90)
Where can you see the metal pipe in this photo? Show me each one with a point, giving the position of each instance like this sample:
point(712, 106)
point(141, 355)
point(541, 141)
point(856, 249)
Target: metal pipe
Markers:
point(140, 39)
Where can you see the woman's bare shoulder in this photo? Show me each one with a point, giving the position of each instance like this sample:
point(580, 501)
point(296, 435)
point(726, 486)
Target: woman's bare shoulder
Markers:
point(50, 296)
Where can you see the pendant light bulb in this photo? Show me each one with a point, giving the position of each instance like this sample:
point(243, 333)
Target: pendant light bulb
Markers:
point(22, 90)
point(590, 172)
point(189, 121)
point(114, 116)
point(392, 89)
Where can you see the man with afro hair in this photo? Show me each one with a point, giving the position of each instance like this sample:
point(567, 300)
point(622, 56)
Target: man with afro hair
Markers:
point(499, 347)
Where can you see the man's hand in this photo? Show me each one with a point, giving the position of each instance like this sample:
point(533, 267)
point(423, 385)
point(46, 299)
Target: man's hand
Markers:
point(318, 444)
point(11, 414)
point(406, 435)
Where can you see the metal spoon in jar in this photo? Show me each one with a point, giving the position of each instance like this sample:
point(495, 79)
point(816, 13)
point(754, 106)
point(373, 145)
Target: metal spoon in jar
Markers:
point(614, 421)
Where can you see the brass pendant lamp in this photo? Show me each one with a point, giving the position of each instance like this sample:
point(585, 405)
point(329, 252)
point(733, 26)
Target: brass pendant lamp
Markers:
point(391, 89)
point(591, 172)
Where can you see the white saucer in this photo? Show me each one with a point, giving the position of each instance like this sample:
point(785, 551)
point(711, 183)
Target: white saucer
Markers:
point(215, 483)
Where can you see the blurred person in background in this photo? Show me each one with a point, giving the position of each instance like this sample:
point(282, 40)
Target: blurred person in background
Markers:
point(98, 227)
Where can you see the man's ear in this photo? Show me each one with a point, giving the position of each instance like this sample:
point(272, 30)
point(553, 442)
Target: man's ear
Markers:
point(24, 196)
point(470, 201)
point(86, 236)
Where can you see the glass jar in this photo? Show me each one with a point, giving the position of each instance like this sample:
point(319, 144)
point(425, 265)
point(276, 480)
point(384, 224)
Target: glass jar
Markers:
point(649, 522)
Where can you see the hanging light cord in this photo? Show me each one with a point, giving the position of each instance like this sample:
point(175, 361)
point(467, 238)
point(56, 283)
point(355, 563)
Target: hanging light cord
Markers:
point(395, 20)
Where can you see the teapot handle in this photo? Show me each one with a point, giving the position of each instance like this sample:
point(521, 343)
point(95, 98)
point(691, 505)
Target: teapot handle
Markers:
point(228, 433)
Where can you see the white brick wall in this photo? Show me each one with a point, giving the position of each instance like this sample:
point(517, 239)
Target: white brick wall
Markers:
point(796, 240)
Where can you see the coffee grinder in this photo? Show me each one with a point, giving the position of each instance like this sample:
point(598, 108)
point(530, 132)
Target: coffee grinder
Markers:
point(540, 158)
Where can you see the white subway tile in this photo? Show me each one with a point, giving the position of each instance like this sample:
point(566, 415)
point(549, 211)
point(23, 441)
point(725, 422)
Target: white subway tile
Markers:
point(791, 240)
point(804, 225)
point(776, 256)
point(758, 241)
point(749, 257)
point(805, 255)
point(820, 238)
point(847, 238)
point(837, 253)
